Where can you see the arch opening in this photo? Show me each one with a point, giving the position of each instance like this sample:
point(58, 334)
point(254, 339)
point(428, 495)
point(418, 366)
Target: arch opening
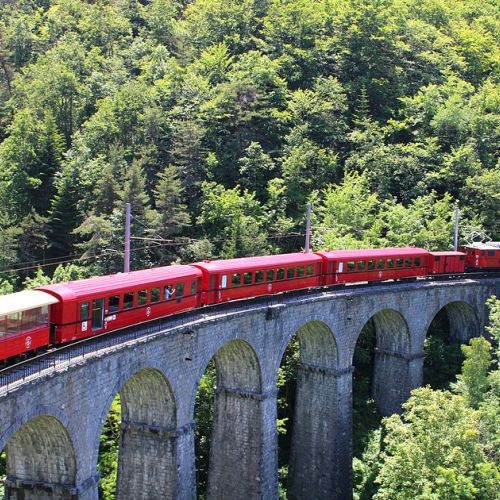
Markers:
point(138, 430)
point(380, 373)
point(228, 424)
point(381, 383)
point(454, 324)
point(39, 455)
point(308, 414)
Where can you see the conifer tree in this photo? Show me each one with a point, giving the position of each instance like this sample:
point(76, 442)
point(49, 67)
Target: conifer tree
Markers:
point(64, 215)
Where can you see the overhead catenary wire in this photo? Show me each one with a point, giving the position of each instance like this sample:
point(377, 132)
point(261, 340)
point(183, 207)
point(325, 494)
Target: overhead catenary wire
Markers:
point(156, 244)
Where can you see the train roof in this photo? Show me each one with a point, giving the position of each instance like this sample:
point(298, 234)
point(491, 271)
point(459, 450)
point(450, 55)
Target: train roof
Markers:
point(490, 245)
point(372, 253)
point(449, 253)
point(101, 285)
point(24, 301)
point(258, 262)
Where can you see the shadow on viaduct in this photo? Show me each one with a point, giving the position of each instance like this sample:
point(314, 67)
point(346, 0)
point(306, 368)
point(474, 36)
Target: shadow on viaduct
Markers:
point(50, 426)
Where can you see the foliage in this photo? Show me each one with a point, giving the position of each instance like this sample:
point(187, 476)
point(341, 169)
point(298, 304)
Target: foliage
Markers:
point(204, 418)
point(108, 452)
point(434, 450)
point(220, 119)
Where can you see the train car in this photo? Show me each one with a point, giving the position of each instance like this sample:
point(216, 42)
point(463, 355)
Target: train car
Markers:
point(234, 279)
point(446, 262)
point(96, 305)
point(482, 256)
point(349, 266)
point(24, 322)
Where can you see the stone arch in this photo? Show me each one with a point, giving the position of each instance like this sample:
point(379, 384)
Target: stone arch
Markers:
point(317, 345)
point(41, 461)
point(463, 321)
point(391, 377)
point(321, 426)
point(238, 367)
point(448, 326)
point(147, 458)
point(147, 397)
point(236, 444)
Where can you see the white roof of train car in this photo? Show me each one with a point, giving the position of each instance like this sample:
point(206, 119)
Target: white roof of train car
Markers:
point(24, 301)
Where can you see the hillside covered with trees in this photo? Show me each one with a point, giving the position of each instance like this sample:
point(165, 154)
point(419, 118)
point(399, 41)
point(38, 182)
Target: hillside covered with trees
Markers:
point(219, 119)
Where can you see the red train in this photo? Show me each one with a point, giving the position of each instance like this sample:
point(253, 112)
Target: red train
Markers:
point(60, 313)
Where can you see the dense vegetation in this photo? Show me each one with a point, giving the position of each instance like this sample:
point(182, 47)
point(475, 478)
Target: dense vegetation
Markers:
point(446, 442)
point(219, 120)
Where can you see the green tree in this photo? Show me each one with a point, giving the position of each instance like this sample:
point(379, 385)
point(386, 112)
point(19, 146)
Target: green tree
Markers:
point(233, 219)
point(348, 214)
point(434, 450)
point(256, 169)
point(473, 381)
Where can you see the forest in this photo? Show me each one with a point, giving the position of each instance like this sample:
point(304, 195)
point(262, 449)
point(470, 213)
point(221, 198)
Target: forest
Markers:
point(219, 120)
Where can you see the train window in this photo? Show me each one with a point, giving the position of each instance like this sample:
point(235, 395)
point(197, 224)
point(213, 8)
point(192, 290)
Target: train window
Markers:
point(408, 262)
point(350, 266)
point(417, 261)
point(84, 311)
point(270, 275)
point(437, 258)
point(483, 253)
point(193, 287)
point(168, 292)
point(3, 325)
point(462, 257)
point(155, 295)
point(371, 265)
point(399, 262)
point(236, 281)
point(142, 298)
point(128, 300)
point(380, 264)
point(390, 264)
point(290, 272)
point(247, 278)
point(300, 271)
point(113, 303)
point(223, 281)
point(491, 253)
point(280, 274)
point(179, 289)
point(13, 322)
point(259, 276)
point(361, 265)
point(310, 270)
point(30, 318)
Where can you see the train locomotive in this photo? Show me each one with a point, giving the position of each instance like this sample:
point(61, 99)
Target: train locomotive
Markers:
point(56, 314)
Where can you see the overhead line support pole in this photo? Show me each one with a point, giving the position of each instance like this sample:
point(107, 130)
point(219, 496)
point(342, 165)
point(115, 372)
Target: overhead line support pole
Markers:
point(308, 229)
point(457, 221)
point(126, 258)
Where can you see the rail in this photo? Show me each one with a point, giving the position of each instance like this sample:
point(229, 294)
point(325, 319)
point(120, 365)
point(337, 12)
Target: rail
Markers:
point(63, 357)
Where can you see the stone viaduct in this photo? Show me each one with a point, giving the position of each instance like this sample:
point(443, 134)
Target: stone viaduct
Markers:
point(51, 422)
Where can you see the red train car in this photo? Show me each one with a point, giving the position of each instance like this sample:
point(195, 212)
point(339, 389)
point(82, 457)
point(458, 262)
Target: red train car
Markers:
point(95, 305)
point(234, 279)
point(348, 266)
point(24, 322)
point(482, 256)
point(446, 262)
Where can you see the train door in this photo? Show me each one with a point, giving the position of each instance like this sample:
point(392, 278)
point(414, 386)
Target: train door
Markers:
point(97, 314)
